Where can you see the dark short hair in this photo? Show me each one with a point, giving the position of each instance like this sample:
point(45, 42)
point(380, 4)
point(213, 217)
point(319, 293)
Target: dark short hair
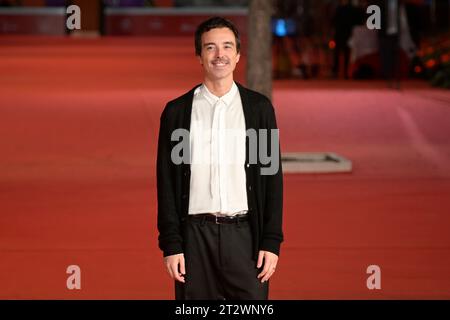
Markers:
point(212, 23)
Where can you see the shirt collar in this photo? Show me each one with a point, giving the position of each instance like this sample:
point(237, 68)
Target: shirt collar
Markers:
point(227, 98)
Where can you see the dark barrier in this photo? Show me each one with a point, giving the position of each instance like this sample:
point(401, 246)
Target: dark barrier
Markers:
point(166, 21)
point(34, 21)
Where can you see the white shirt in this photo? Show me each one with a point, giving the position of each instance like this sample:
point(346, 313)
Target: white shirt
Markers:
point(217, 144)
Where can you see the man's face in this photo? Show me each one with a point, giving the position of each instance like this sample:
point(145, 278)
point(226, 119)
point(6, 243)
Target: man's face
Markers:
point(219, 53)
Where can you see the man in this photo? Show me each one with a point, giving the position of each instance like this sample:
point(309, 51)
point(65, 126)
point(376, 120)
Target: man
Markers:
point(220, 214)
point(344, 20)
point(388, 39)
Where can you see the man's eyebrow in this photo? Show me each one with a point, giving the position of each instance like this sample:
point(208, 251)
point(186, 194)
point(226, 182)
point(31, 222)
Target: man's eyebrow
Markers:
point(213, 44)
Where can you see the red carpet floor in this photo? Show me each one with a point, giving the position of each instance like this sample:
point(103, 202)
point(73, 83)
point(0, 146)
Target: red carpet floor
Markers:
point(78, 128)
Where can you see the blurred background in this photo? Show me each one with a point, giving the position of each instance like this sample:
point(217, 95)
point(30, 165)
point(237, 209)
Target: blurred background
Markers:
point(79, 121)
point(311, 39)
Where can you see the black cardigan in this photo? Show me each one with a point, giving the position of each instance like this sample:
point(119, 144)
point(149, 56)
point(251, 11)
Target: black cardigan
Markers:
point(264, 192)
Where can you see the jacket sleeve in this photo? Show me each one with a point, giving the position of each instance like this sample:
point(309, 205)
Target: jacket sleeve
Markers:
point(170, 239)
point(272, 234)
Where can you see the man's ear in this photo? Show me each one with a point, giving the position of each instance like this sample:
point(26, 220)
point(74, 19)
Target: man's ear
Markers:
point(238, 57)
point(200, 59)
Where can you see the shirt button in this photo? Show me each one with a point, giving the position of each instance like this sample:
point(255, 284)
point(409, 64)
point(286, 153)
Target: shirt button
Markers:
point(248, 165)
point(250, 188)
point(184, 196)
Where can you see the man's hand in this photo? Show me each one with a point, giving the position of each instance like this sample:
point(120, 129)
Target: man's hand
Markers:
point(270, 264)
point(172, 262)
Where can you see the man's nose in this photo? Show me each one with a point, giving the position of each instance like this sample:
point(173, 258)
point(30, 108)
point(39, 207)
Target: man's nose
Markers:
point(218, 53)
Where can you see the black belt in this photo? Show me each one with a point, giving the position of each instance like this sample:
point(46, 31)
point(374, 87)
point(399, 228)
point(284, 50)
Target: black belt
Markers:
point(219, 219)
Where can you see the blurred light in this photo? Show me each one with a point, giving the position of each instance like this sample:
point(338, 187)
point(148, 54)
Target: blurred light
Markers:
point(445, 58)
point(430, 50)
point(431, 63)
point(420, 53)
point(280, 28)
point(332, 44)
point(417, 69)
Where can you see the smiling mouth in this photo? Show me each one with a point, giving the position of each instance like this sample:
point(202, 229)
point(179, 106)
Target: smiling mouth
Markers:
point(220, 64)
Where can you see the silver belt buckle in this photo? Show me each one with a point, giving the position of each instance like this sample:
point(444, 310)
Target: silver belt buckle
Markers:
point(217, 222)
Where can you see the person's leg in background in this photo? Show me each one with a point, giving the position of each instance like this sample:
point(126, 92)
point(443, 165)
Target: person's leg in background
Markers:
point(337, 53)
point(346, 50)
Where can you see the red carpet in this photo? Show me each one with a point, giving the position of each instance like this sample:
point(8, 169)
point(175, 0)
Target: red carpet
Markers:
point(78, 128)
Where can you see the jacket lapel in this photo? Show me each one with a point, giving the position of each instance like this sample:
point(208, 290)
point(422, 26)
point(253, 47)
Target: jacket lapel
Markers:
point(246, 106)
point(188, 108)
point(249, 122)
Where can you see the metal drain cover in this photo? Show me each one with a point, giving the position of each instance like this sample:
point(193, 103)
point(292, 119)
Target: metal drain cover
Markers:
point(314, 162)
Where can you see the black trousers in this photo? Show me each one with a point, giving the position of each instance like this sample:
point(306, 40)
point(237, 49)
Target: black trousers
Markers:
point(219, 263)
point(341, 47)
point(389, 56)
